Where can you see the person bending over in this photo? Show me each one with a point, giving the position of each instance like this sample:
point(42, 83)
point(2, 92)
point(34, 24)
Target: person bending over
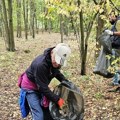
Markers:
point(35, 80)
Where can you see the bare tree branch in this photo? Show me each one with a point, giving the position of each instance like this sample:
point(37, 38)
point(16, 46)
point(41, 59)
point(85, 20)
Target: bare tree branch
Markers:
point(95, 2)
point(115, 6)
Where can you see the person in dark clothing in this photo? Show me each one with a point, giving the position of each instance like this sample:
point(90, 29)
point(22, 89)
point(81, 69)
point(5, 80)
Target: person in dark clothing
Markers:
point(114, 19)
point(35, 80)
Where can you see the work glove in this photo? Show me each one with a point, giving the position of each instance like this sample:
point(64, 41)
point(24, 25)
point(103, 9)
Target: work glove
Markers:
point(60, 103)
point(109, 32)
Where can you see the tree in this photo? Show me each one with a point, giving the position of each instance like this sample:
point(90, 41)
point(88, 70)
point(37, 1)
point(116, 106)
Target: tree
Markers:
point(1, 21)
point(25, 16)
point(19, 18)
point(73, 11)
point(61, 27)
point(8, 24)
point(32, 17)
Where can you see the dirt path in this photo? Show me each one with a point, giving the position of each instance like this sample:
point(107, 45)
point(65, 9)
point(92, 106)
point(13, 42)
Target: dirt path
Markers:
point(99, 104)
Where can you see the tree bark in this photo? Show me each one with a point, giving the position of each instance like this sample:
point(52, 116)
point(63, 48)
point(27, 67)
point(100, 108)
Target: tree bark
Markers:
point(25, 15)
point(83, 65)
point(8, 24)
point(1, 21)
point(32, 18)
point(5, 24)
point(19, 33)
point(11, 33)
point(99, 29)
point(61, 28)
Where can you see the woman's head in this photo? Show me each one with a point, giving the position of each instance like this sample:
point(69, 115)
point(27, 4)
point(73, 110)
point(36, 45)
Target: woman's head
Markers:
point(60, 54)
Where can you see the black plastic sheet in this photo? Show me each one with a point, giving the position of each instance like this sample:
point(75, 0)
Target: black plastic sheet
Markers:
point(105, 40)
point(74, 103)
point(102, 65)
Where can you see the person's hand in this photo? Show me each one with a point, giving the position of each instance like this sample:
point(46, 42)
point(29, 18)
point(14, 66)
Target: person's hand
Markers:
point(61, 103)
point(109, 32)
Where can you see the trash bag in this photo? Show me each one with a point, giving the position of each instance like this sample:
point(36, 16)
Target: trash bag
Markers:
point(105, 40)
point(102, 65)
point(74, 103)
point(46, 113)
point(115, 42)
point(116, 78)
point(116, 52)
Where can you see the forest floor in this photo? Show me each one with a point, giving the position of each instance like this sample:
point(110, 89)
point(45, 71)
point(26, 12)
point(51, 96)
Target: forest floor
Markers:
point(99, 103)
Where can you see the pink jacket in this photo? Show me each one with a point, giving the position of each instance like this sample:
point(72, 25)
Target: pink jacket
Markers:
point(25, 83)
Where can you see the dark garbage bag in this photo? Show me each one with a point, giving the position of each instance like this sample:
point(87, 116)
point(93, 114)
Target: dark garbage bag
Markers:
point(47, 115)
point(103, 62)
point(116, 52)
point(105, 40)
point(102, 65)
point(74, 103)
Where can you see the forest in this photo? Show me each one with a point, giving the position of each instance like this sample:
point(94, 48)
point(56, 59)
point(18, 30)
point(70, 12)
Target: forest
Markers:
point(28, 27)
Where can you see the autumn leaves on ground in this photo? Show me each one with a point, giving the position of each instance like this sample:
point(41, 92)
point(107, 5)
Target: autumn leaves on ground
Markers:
point(99, 104)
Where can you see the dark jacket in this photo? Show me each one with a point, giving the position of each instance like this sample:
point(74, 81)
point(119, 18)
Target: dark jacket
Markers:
point(41, 72)
point(115, 39)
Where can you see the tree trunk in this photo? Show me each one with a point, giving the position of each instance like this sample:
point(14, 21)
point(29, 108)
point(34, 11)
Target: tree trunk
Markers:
point(45, 20)
point(25, 15)
point(82, 42)
point(36, 25)
point(1, 21)
point(46, 24)
point(11, 33)
point(5, 18)
point(87, 36)
point(19, 35)
point(49, 25)
point(65, 25)
point(99, 29)
point(32, 16)
point(83, 65)
point(61, 28)
point(73, 26)
point(10, 45)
